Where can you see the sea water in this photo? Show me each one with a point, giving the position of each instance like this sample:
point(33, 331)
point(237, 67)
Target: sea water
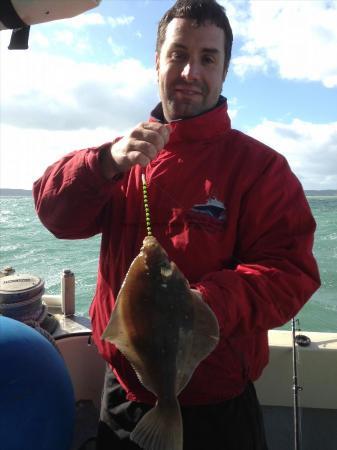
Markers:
point(28, 247)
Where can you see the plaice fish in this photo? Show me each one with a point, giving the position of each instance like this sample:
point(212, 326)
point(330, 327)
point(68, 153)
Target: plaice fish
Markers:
point(165, 330)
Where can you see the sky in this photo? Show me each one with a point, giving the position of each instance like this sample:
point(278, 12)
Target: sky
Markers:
point(85, 80)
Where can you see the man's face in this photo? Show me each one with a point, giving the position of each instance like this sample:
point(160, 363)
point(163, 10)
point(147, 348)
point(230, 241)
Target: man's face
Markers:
point(190, 68)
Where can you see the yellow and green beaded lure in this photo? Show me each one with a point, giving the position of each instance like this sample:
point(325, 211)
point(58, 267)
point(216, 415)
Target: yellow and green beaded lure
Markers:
point(146, 207)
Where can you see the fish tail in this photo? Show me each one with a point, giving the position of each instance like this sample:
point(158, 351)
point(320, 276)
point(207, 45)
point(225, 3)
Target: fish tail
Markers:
point(160, 428)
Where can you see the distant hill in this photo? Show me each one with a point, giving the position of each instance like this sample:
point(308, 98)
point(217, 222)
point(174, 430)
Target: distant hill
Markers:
point(28, 193)
point(15, 193)
point(323, 193)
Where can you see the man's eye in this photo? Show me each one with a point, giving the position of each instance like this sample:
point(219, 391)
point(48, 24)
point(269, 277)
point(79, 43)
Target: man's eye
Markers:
point(208, 59)
point(177, 56)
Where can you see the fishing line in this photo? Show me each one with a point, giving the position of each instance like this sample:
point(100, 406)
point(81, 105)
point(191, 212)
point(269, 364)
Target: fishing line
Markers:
point(146, 207)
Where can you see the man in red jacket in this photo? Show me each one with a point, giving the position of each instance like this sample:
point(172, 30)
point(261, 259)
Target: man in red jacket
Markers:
point(227, 209)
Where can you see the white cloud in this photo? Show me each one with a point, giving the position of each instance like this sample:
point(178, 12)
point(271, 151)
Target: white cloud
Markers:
point(116, 49)
point(55, 36)
point(64, 37)
point(249, 63)
point(59, 93)
point(311, 149)
point(26, 153)
point(51, 105)
point(233, 107)
point(94, 19)
point(298, 38)
point(75, 33)
point(39, 39)
point(118, 21)
point(84, 20)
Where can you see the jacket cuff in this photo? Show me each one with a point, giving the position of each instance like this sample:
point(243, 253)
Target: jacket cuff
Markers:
point(93, 164)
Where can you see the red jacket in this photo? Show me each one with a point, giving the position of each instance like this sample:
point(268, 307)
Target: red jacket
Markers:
point(229, 212)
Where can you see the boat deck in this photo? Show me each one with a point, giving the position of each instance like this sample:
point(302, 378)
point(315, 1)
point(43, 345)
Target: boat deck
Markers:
point(317, 400)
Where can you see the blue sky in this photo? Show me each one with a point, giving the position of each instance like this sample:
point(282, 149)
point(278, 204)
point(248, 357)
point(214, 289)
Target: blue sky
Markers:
point(87, 79)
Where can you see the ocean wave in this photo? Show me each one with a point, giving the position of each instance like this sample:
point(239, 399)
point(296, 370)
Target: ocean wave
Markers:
point(30, 248)
point(8, 248)
point(327, 306)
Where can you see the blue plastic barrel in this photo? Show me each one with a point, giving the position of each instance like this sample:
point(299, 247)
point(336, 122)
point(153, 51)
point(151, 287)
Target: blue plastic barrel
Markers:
point(37, 405)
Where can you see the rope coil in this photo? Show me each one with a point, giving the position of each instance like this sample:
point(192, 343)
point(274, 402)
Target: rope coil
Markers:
point(31, 311)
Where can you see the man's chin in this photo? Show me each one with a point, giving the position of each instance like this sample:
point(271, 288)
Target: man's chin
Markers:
point(184, 111)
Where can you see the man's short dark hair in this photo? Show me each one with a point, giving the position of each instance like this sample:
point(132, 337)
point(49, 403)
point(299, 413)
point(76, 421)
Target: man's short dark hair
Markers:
point(201, 11)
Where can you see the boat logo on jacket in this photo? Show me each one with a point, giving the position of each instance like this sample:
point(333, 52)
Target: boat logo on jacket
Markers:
point(210, 216)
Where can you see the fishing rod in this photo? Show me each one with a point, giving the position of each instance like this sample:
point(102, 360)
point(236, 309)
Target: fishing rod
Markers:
point(302, 341)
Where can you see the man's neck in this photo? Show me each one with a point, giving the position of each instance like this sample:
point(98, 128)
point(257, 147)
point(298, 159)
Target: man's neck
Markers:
point(158, 113)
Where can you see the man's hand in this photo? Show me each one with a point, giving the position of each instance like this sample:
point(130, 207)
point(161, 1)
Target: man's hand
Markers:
point(140, 146)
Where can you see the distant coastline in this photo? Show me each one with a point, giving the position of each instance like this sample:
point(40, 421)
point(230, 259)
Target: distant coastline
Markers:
point(322, 193)
point(28, 193)
point(15, 193)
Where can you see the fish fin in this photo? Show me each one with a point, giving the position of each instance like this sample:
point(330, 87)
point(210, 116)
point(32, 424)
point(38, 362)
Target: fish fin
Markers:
point(115, 334)
point(141, 374)
point(200, 341)
point(160, 428)
point(113, 331)
point(206, 324)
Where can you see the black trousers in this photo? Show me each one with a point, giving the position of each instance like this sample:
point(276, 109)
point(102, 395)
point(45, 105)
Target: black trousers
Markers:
point(235, 424)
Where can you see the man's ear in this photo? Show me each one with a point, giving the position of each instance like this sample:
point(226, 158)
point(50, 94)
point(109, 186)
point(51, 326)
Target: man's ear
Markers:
point(157, 62)
point(225, 71)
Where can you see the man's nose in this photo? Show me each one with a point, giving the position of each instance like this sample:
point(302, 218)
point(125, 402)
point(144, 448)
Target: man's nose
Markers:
point(191, 71)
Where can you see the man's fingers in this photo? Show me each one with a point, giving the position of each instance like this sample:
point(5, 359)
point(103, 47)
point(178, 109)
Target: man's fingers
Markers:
point(141, 146)
point(163, 130)
point(152, 132)
point(148, 149)
point(137, 157)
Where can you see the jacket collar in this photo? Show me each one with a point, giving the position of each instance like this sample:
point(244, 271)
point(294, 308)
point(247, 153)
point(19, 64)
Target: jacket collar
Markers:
point(203, 127)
